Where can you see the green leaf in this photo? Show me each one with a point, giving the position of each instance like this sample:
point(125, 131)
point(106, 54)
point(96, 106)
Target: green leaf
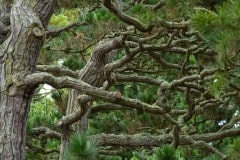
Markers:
point(80, 147)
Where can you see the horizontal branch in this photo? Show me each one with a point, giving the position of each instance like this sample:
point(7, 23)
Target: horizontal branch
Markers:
point(68, 82)
point(149, 140)
point(47, 132)
point(108, 107)
point(174, 25)
point(112, 107)
point(136, 78)
point(56, 32)
point(39, 150)
point(57, 70)
point(162, 83)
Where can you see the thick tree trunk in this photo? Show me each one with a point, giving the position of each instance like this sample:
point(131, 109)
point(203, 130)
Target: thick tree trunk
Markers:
point(14, 112)
point(18, 55)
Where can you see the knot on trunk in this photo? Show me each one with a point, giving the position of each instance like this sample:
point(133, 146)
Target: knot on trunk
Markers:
point(38, 32)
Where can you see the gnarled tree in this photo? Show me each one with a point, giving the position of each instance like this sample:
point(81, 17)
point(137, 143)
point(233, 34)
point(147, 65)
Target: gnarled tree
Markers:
point(163, 52)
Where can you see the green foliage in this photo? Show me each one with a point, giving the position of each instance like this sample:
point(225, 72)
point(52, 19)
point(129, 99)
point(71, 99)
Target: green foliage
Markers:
point(49, 145)
point(211, 157)
point(220, 84)
point(59, 20)
point(112, 158)
point(179, 8)
point(73, 63)
point(112, 122)
point(144, 14)
point(143, 92)
point(97, 16)
point(151, 2)
point(205, 21)
point(64, 18)
point(165, 152)
point(233, 149)
point(43, 113)
point(220, 28)
point(80, 147)
point(32, 155)
point(192, 60)
point(139, 155)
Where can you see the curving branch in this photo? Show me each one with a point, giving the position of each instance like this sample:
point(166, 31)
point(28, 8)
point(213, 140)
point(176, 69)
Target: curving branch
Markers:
point(126, 18)
point(68, 82)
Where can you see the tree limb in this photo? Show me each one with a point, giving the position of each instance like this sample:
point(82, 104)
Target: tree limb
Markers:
point(126, 18)
point(56, 32)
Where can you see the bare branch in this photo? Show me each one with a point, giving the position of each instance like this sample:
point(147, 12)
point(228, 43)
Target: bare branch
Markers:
point(56, 32)
point(108, 107)
point(149, 140)
point(68, 82)
point(136, 78)
point(47, 132)
point(126, 18)
point(57, 70)
point(159, 5)
point(39, 150)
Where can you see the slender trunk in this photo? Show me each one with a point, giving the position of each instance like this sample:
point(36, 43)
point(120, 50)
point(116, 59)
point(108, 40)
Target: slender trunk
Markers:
point(94, 74)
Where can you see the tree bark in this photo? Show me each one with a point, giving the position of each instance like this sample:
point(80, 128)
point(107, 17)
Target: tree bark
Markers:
point(4, 19)
point(14, 112)
point(93, 74)
point(18, 55)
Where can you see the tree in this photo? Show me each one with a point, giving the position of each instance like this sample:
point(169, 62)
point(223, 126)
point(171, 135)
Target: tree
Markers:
point(153, 59)
point(19, 51)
